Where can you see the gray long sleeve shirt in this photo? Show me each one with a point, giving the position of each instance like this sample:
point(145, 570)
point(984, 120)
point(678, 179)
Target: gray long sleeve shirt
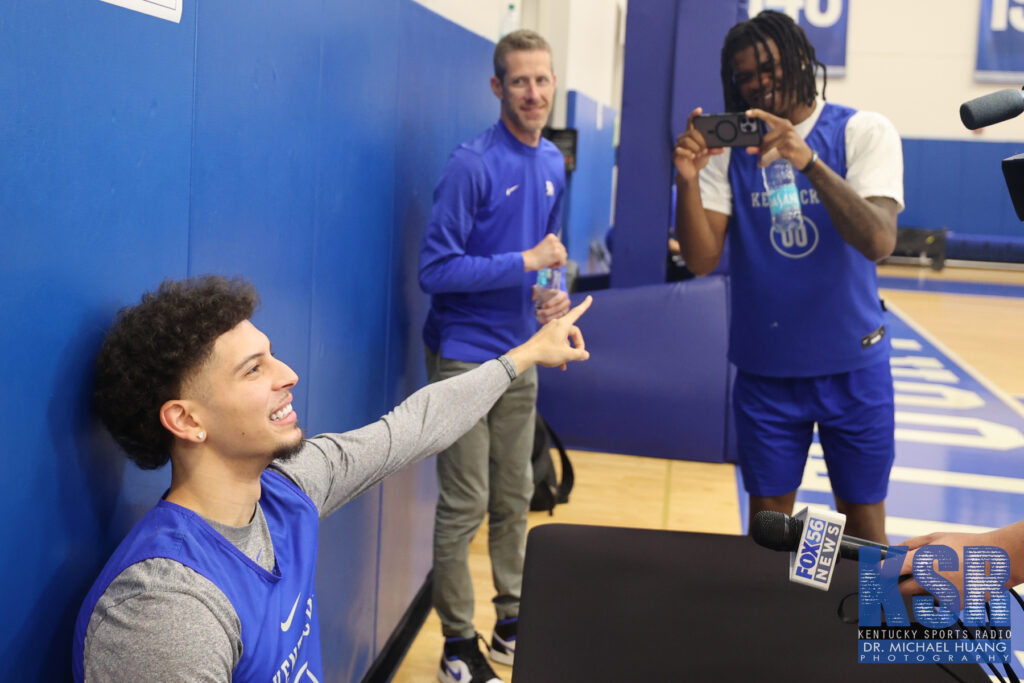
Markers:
point(161, 621)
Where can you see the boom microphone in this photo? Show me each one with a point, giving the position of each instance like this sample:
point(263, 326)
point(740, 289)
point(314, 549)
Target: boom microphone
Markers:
point(995, 107)
point(778, 531)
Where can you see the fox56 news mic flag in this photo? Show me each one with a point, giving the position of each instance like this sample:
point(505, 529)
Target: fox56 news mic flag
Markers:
point(814, 560)
point(1000, 42)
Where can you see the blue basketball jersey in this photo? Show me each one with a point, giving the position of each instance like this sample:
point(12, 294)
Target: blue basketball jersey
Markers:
point(280, 631)
point(804, 303)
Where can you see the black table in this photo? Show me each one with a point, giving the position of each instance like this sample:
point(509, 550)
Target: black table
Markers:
point(613, 604)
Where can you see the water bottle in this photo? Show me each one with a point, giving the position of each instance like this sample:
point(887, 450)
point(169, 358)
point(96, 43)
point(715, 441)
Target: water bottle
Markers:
point(783, 197)
point(549, 282)
point(510, 21)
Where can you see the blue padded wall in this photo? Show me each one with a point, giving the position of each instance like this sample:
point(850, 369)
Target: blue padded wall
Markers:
point(642, 205)
point(656, 381)
point(590, 185)
point(271, 141)
point(938, 193)
point(443, 99)
point(94, 195)
point(696, 81)
point(672, 49)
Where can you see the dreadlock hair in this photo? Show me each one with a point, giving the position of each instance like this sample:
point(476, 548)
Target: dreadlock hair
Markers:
point(152, 349)
point(796, 56)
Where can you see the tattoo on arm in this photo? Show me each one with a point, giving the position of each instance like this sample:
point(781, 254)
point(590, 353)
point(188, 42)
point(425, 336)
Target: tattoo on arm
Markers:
point(867, 224)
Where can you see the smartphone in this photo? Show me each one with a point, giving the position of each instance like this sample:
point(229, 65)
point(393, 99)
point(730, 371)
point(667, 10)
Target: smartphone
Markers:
point(729, 130)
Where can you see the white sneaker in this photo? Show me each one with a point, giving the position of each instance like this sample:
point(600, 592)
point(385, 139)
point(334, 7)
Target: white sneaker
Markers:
point(462, 662)
point(502, 648)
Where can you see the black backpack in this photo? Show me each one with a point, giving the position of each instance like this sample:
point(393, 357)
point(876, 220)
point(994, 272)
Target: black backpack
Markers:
point(547, 490)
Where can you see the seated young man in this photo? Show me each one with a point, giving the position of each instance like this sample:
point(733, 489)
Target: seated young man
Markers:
point(216, 582)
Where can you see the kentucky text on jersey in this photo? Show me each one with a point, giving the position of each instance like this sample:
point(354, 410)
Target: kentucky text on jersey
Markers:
point(802, 303)
point(807, 196)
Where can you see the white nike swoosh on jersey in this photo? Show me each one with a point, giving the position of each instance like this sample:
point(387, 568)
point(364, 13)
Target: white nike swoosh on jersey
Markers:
point(287, 623)
point(511, 190)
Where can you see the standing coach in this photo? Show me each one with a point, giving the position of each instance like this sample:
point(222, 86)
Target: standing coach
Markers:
point(494, 223)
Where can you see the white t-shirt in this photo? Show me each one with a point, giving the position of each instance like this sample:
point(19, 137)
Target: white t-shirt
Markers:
point(874, 161)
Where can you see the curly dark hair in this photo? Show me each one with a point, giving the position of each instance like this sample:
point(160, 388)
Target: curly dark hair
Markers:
point(796, 55)
point(151, 349)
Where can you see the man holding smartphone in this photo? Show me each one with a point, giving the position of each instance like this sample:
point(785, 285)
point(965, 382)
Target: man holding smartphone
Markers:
point(494, 224)
point(806, 329)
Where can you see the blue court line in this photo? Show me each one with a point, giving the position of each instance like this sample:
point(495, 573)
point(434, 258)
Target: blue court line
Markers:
point(949, 420)
point(951, 287)
point(952, 479)
point(940, 504)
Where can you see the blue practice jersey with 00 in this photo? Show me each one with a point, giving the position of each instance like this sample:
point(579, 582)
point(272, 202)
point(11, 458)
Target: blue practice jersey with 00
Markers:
point(804, 303)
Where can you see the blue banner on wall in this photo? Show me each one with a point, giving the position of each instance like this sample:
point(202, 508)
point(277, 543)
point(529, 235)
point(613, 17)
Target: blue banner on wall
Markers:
point(824, 22)
point(1000, 42)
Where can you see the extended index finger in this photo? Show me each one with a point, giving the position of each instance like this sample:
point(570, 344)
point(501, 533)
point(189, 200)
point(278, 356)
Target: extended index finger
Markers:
point(576, 311)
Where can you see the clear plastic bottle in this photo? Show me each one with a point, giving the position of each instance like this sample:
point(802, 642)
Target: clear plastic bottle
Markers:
point(510, 21)
point(549, 282)
point(783, 197)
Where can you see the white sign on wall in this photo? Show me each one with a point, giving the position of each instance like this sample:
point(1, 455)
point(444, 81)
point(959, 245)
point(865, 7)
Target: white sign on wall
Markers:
point(824, 22)
point(162, 9)
point(1000, 42)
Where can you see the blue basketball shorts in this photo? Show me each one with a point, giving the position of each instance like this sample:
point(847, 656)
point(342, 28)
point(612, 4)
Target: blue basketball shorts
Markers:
point(775, 420)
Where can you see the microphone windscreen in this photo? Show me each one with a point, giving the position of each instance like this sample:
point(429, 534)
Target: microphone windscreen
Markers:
point(992, 108)
point(775, 530)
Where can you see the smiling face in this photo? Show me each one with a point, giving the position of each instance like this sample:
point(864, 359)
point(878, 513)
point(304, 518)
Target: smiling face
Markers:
point(526, 91)
point(759, 78)
point(242, 398)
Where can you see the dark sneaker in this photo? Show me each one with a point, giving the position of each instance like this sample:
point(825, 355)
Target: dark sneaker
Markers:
point(503, 641)
point(462, 662)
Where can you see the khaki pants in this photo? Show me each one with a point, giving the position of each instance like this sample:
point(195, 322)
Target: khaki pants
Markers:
point(486, 472)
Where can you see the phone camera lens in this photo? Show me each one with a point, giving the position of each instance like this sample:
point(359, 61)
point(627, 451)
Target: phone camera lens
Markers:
point(726, 131)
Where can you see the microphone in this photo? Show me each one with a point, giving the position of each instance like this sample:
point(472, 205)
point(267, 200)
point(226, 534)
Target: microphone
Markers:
point(996, 107)
point(778, 531)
